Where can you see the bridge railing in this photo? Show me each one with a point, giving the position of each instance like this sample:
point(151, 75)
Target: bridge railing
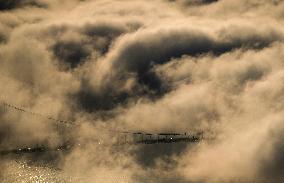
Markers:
point(147, 138)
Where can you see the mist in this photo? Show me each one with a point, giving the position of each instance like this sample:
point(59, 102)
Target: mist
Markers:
point(160, 66)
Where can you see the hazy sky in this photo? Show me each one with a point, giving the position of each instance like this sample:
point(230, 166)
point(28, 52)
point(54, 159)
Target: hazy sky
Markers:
point(153, 66)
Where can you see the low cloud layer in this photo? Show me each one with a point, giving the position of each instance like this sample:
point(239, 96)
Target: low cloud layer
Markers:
point(150, 66)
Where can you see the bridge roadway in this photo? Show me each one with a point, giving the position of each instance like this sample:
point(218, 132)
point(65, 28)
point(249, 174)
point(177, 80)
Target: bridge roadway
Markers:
point(123, 139)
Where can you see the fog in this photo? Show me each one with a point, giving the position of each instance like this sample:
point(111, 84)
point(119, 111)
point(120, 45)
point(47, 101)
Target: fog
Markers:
point(151, 66)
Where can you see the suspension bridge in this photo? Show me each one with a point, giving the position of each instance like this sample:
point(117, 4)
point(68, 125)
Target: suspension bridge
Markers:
point(121, 137)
